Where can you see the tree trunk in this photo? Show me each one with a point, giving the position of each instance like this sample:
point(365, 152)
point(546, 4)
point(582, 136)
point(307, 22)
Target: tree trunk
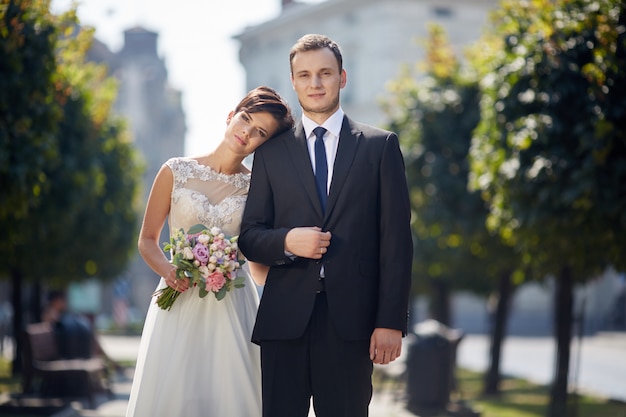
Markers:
point(18, 321)
point(35, 302)
point(564, 314)
point(498, 331)
point(440, 301)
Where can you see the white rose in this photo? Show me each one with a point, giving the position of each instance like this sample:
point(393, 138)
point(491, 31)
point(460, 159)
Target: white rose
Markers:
point(204, 271)
point(187, 253)
point(215, 231)
point(204, 239)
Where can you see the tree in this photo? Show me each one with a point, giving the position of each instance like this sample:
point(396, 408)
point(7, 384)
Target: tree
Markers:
point(549, 152)
point(28, 123)
point(70, 212)
point(91, 211)
point(28, 112)
point(435, 117)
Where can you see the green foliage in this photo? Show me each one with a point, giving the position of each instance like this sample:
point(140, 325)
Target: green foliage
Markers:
point(83, 219)
point(435, 116)
point(29, 114)
point(549, 154)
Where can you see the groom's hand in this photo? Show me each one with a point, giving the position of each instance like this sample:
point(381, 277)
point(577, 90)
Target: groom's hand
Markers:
point(385, 345)
point(307, 242)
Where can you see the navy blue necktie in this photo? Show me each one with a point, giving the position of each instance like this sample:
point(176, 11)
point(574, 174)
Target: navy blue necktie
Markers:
point(321, 166)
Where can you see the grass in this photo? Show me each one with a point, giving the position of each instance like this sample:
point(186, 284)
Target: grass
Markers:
point(520, 398)
point(8, 383)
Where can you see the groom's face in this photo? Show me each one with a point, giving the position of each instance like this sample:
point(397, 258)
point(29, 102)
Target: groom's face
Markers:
point(317, 80)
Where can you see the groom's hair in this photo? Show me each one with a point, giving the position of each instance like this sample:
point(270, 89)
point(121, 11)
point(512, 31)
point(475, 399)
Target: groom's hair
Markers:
point(264, 98)
point(313, 42)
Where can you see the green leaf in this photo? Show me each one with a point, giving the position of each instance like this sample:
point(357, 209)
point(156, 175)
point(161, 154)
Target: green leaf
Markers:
point(239, 281)
point(221, 293)
point(185, 264)
point(176, 260)
point(196, 228)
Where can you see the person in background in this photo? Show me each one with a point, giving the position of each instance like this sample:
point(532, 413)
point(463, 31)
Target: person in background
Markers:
point(328, 211)
point(74, 333)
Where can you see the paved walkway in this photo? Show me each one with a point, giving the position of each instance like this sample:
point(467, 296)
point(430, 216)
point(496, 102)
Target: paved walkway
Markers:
point(598, 367)
point(125, 348)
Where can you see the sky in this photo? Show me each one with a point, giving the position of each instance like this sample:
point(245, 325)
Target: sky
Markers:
point(195, 41)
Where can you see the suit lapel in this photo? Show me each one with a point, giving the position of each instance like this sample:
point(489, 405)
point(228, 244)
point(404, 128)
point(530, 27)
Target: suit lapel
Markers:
point(299, 152)
point(346, 150)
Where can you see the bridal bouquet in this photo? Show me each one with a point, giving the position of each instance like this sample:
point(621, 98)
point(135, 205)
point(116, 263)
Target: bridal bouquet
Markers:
point(207, 258)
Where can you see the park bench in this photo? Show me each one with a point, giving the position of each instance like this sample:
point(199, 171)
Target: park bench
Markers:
point(47, 374)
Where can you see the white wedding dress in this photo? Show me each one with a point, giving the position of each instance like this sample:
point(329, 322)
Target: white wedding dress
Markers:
point(196, 360)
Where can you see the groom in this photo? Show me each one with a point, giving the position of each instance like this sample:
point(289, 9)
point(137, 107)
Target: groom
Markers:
point(328, 211)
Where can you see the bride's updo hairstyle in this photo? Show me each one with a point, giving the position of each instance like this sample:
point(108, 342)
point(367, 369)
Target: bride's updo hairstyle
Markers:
point(266, 99)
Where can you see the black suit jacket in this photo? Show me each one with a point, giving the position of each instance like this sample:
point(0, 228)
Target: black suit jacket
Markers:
point(368, 264)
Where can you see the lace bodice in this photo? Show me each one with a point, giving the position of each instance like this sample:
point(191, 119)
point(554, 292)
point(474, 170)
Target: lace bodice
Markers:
point(202, 195)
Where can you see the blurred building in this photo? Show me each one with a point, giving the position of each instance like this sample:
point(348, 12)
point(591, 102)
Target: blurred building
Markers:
point(156, 121)
point(376, 37)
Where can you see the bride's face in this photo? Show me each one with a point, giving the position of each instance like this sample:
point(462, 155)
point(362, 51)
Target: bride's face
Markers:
point(247, 131)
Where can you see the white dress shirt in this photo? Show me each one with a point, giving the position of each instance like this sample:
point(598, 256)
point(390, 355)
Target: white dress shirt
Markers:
point(331, 140)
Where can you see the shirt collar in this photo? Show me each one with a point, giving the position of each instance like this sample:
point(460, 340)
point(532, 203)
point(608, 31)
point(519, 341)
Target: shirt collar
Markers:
point(332, 124)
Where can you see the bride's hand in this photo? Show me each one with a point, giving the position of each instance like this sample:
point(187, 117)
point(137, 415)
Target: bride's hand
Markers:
point(178, 284)
point(307, 242)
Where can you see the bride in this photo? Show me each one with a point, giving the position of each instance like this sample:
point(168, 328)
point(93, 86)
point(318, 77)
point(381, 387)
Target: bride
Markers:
point(197, 359)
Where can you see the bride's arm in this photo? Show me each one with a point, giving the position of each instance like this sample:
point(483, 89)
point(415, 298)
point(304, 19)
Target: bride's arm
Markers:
point(258, 272)
point(157, 209)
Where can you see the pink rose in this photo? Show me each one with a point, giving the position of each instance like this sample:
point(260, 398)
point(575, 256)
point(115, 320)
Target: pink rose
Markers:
point(215, 281)
point(201, 252)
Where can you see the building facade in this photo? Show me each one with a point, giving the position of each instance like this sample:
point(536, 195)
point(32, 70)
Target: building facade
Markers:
point(376, 38)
